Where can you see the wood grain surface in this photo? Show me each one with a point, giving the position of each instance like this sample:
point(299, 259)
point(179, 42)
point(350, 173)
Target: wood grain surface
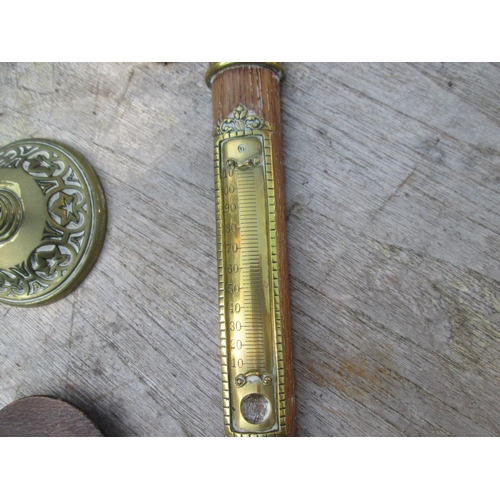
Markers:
point(392, 188)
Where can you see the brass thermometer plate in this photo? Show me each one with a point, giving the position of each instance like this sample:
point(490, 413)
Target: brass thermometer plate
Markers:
point(249, 308)
point(52, 221)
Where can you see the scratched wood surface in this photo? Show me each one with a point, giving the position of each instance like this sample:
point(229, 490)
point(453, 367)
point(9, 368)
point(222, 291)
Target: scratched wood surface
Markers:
point(392, 176)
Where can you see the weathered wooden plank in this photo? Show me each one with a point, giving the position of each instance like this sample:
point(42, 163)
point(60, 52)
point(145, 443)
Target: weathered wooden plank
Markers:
point(392, 192)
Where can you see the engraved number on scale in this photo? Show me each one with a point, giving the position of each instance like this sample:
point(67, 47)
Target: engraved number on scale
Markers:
point(248, 291)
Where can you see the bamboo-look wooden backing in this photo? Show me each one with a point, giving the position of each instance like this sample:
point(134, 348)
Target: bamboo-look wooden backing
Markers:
point(258, 89)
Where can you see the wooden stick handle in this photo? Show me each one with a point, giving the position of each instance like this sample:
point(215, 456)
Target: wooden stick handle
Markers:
point(256, 86)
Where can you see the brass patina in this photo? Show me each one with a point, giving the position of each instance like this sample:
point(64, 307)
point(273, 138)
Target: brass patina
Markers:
point(249, 304)
point(52, 221)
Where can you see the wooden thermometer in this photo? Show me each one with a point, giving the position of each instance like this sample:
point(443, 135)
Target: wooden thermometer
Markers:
point(256, 351)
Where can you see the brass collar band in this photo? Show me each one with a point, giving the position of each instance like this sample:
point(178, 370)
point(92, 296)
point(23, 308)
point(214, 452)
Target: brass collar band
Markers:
point(217, 67)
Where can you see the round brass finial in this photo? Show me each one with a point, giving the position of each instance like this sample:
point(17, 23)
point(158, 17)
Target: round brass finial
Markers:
point(52, 221)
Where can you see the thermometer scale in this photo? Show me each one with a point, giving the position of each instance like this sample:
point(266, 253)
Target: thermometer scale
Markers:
point(257, 373)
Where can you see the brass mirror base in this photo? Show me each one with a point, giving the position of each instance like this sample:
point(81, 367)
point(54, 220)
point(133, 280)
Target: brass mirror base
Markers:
point(52, 221)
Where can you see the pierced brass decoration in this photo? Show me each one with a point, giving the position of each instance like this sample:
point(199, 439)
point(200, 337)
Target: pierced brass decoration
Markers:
point(242, 121)
point(249, 305)
point(52, 221)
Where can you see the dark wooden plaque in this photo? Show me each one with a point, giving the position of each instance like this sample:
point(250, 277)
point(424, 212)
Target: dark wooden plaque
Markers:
point(43, 416)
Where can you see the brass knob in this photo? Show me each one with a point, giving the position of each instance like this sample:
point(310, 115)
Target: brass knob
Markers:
point(52, 221)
